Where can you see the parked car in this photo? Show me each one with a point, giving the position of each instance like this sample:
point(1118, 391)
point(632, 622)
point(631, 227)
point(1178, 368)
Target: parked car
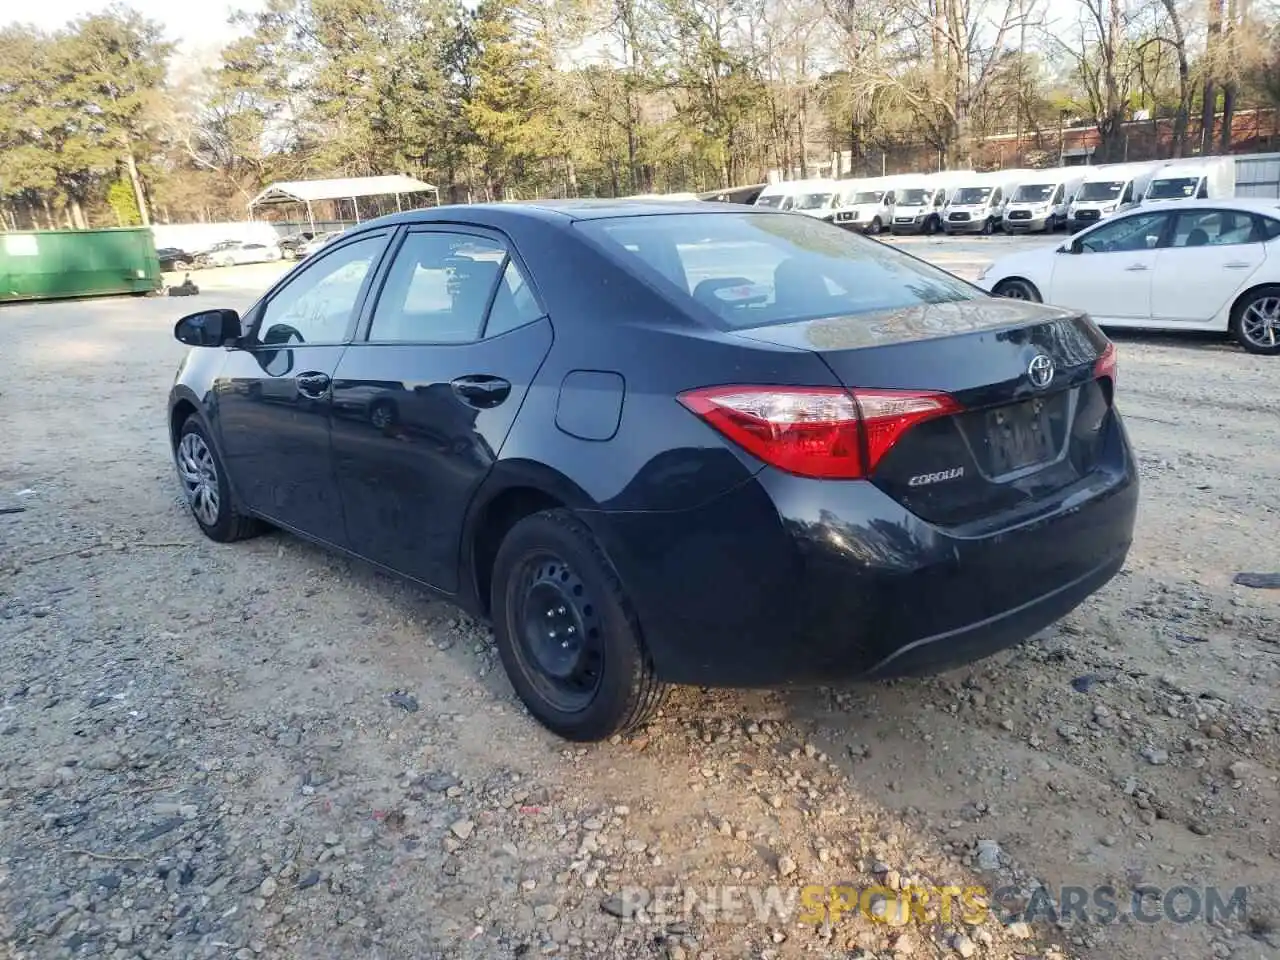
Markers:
point(317, 241)
point(235, 252)
point(1041, 203)
point(291, 246)
point(1178, 265)
point(867, 206)
point(173, 258)
point(1205, 178)
point(668, 443)
point(977, 205)
point(1108, 189)
point(920, 204)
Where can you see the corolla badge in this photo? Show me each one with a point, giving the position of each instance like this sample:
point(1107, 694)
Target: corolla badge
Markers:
point(1041, 371)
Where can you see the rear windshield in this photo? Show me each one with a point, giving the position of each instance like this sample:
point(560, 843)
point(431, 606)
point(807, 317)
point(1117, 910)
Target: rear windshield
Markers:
point(971, 195)
point(754, 269)
point(1034, 192)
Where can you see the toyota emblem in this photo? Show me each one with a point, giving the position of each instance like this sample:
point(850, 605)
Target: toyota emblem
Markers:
point(1041, 371)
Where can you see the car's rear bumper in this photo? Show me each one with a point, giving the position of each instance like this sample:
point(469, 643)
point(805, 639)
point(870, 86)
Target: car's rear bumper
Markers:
point(792, 580)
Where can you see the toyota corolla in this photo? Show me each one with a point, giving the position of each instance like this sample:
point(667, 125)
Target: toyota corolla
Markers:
point(656, 444)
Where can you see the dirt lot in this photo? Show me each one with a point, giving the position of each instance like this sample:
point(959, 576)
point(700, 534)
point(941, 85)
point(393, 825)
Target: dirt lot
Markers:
point(262, 750)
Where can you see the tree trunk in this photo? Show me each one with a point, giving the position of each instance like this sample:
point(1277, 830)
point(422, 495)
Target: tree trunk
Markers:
point(78, 219)
point(50, 222)
point(140, 195)
point(1212, 67)
point(1182, 116)
point(1230, 86)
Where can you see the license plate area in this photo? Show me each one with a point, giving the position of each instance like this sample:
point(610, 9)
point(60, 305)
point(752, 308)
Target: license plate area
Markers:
point(1022, 435)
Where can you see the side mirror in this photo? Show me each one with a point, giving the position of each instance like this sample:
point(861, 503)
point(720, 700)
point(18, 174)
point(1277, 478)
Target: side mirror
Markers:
point(1072, 246)
point(208, 328)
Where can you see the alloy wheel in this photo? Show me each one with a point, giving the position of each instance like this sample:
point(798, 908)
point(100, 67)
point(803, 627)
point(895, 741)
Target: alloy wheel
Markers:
point(1260, 322)
point(199, 474)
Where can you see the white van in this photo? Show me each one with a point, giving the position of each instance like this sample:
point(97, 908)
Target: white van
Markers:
point(816, 198)
point(920, 202)
point(977, 205)
point(779, 195)
point(869, 207)
point(1109, 189)
point(1041, 202)
point(1212, 178)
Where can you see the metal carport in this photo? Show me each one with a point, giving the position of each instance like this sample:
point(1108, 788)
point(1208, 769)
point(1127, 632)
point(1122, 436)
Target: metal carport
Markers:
point(346, 188)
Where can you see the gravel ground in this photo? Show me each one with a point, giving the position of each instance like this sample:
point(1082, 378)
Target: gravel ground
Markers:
point(264, 750)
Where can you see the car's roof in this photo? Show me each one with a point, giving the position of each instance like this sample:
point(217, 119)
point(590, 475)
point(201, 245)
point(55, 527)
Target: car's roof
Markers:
point(1270, 205)
point(563, 211)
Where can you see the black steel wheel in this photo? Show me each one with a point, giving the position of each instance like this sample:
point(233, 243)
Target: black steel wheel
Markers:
point(559, 632)
point(567, 635)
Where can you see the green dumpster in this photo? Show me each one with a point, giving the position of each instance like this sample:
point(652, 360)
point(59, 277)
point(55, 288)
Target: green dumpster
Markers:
point(47, 264)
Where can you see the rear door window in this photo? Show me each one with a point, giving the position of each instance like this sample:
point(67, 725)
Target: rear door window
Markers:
point(752, 269)
point(438, 289)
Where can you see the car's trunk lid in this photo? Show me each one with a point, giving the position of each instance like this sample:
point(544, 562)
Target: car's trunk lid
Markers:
point(1018, 438)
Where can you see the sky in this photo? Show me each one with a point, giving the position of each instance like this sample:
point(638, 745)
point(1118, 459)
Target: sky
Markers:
point(198, 26)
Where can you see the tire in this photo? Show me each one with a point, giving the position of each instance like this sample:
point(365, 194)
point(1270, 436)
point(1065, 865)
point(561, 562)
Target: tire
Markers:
point(1018, 289)
point(1254, 314)
point(605, 682)
point(874, 227)
point(201, 473)
point(988, 227)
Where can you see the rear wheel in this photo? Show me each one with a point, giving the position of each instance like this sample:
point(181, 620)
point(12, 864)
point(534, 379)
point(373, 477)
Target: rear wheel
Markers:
point(205, 484)
point(566, 632)
point(1018, 289)
point(1255, 321)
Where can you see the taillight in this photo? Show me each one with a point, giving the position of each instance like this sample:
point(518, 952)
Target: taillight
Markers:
point(823, 432)
point(1106, 366)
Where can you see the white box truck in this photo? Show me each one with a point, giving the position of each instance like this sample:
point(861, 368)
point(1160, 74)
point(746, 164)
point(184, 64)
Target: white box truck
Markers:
point(1041, 202)
point(1109, 189)
point(977, 204)
point(1208, 178)
point(869, 208)
point(920, 203)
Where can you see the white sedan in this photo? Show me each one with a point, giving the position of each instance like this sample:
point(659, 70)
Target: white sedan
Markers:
point(1178, 265)
point(232, 254)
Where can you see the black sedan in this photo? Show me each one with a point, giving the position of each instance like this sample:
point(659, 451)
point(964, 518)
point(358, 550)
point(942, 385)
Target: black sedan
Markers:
point(662, 443)
point(174, 258)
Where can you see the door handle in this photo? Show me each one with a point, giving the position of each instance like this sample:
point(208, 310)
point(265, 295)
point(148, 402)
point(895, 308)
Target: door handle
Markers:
point(313, 385)
point(1133, 267)
point(1237, 265)
point(481, 391)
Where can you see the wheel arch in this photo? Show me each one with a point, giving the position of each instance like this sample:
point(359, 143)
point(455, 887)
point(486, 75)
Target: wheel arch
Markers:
point(512, 491)
point(1017, 278)
point(1238, 302)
